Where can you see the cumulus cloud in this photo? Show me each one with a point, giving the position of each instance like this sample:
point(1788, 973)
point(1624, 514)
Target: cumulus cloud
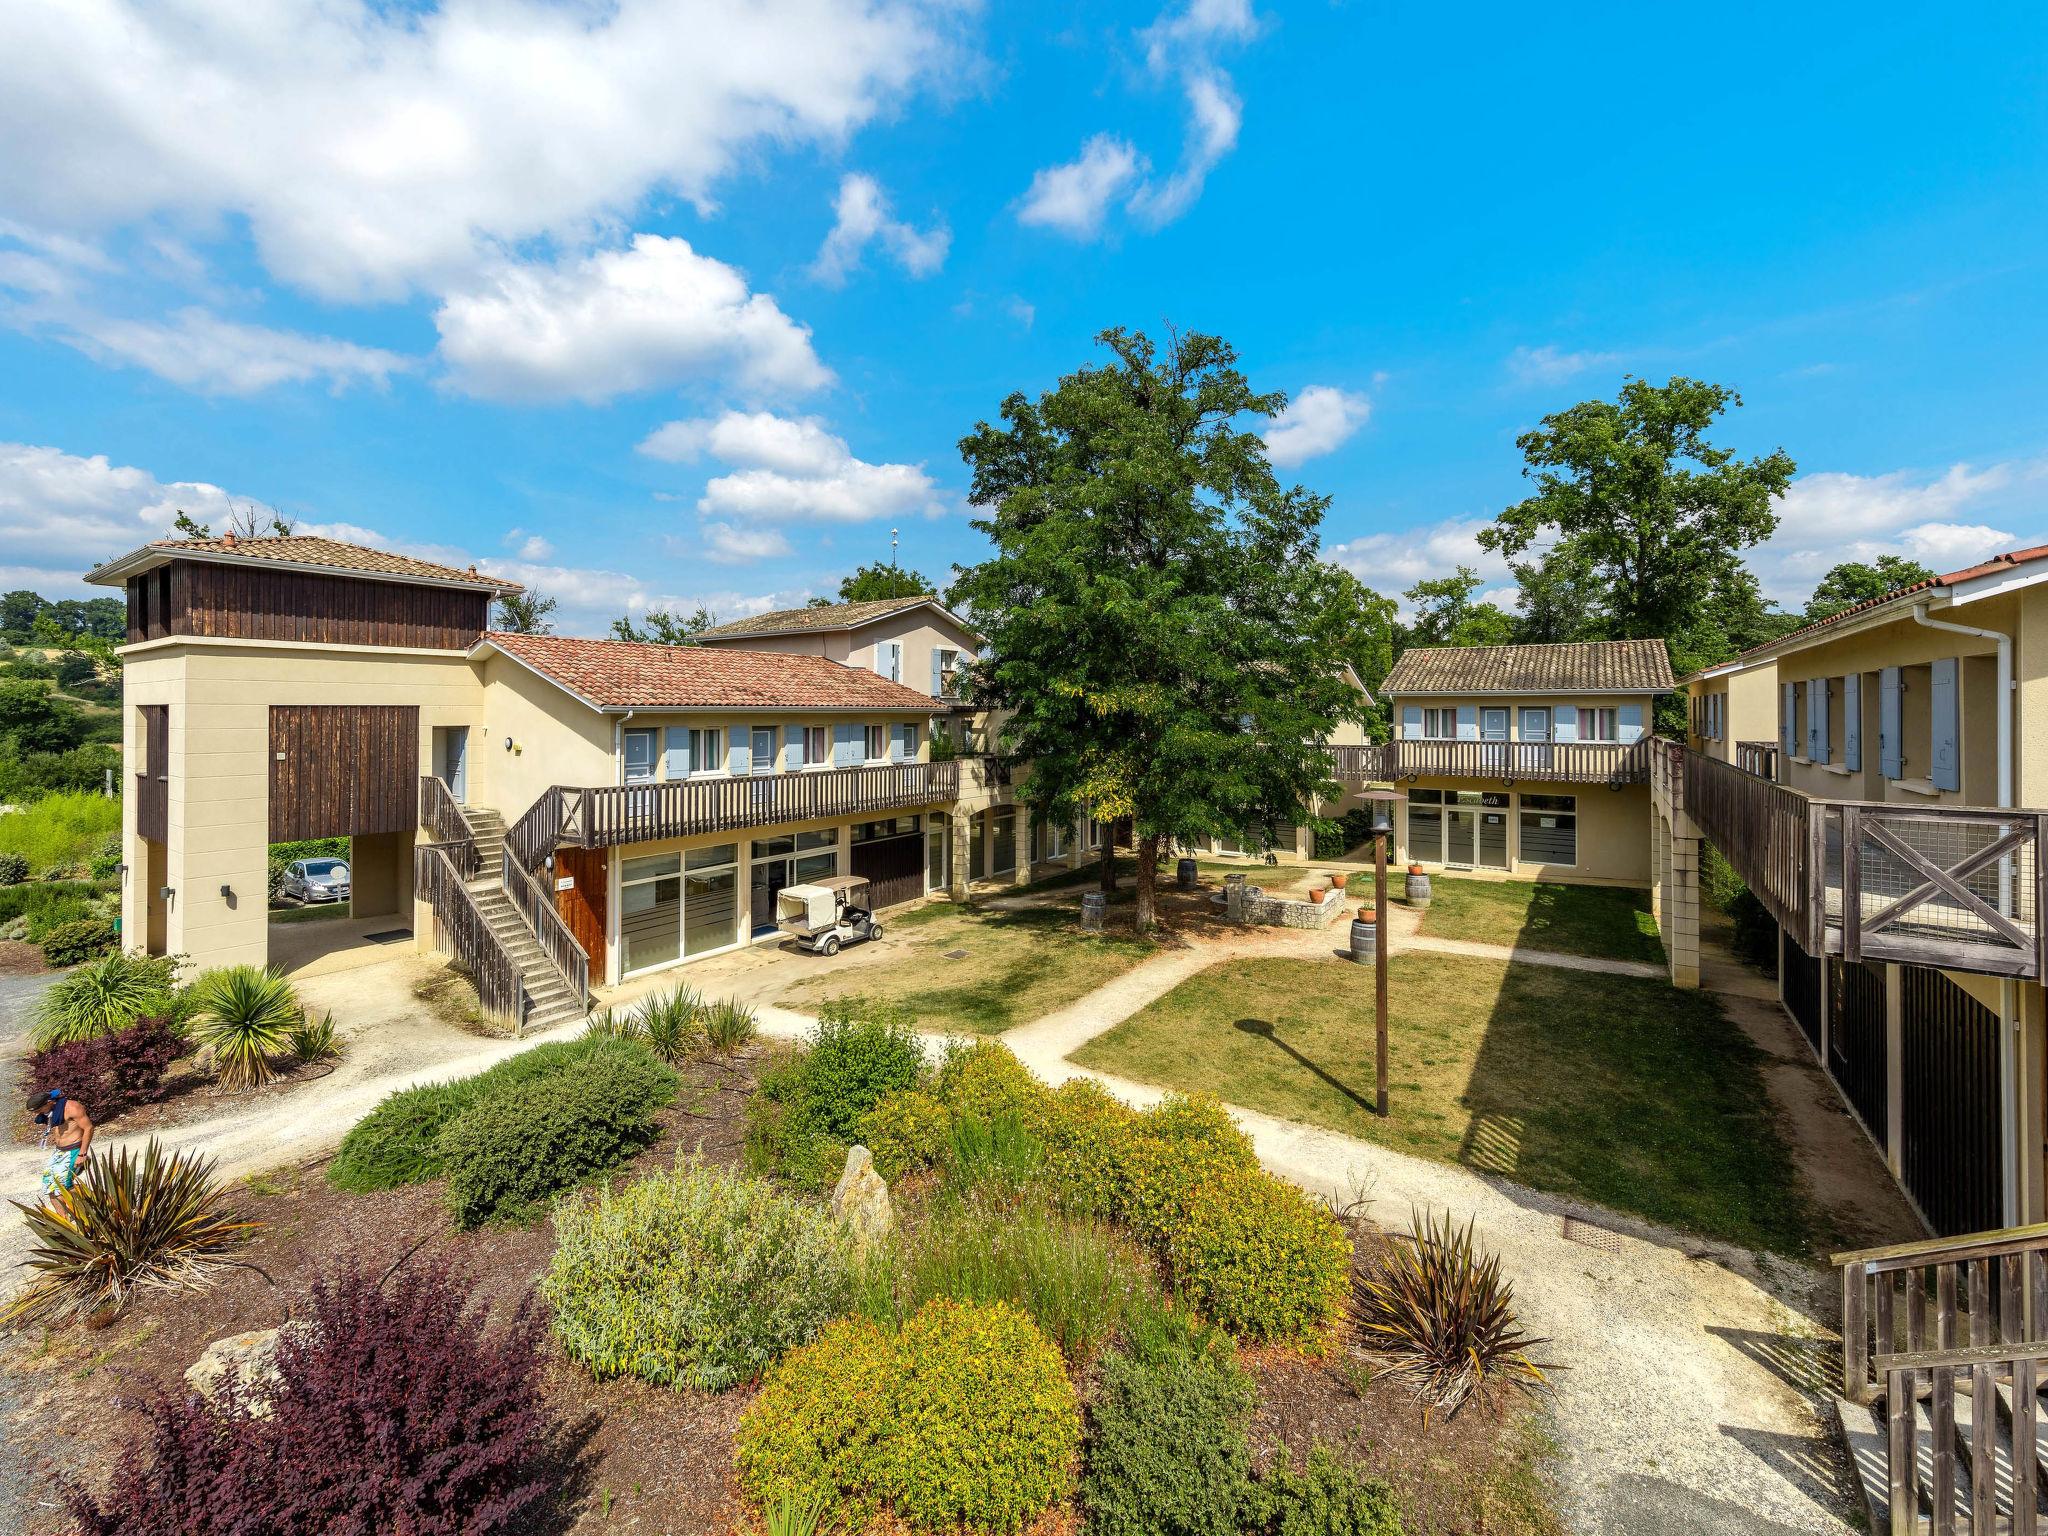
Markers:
point(1318, 420)
point(202, 351)
point(1942, 520)
point(590, 597)
point(374, 149)
point(1395, 561)
point(737, 546)
point(528, 546)
point(787, 470)
point(1214, 116)
point(861, 217)
point(1532, 366)
point(1073, 198)
point(593, 327)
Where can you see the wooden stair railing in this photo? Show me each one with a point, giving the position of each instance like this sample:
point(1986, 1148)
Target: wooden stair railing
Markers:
point(499, 985)
point(441, 814)
point(1995, 1390)
point(1941, 1295)
point(536, 906)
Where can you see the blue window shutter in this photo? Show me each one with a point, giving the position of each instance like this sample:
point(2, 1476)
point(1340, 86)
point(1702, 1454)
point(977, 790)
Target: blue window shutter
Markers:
point(847, 746)
point(1788, 720)
point(1946, 759)
point(1411, 721)
point(1468, 722)
point(1628, 722)
point(1888, 715)
point(739, 749)
point(938, 680)
point(897, 744)
point(1565, 724)
point(1817, 719)
point(678, 752)
point(792, 747)
point(1852, 721)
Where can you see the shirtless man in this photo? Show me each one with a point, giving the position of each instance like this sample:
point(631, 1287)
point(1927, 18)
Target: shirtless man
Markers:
point(69, 1136)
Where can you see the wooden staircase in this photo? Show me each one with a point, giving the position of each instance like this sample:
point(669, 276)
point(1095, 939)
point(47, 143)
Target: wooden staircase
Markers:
point(1944, 1362)
point(553, 999)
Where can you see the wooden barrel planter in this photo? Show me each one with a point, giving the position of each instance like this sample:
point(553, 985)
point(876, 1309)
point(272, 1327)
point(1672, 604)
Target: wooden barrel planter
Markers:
point(1093, 905)
point(1185, 874)
point(1418, 887)
point(1365, 937)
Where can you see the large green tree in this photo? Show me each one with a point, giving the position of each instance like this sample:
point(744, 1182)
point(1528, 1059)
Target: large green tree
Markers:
point(1446, 613)
point(526, 613)
point(1854, 581)
point(872, 583)
point(1160, 626)
point(1633, 489)
point(661, 627)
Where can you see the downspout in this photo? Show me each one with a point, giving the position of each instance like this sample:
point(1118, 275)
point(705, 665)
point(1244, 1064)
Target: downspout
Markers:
point(619, 742)
point(2008, 990)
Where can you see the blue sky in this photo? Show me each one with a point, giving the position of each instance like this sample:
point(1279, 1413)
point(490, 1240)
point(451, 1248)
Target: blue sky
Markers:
point(658, 304)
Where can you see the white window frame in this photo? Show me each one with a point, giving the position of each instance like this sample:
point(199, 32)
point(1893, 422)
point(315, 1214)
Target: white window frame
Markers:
point(948, 659)
point(1439, 724)
point(704, 764)
point(1599, 722)
point(817, 746)
point(875, 743)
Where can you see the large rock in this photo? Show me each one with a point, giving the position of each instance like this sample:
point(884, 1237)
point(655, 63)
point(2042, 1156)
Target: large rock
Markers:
point(249, 1359)
point(861, 1198)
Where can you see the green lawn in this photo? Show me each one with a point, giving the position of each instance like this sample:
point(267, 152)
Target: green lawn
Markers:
point(1616, 1089)
point(1609, 921)
point(973, 971)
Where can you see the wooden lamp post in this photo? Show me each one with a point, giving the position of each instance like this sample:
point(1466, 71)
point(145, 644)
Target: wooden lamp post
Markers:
point(1383, 802)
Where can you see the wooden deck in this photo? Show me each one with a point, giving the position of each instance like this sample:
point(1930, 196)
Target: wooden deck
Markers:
point(1957, 887)
point(1606, 763)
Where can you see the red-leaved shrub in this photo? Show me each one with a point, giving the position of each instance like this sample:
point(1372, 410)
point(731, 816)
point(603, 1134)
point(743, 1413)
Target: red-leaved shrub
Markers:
point(111, 1072)
point(395, 1413)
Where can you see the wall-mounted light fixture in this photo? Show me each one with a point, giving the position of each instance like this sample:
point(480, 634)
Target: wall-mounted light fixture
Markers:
point(166, 892)
point(227, 893)
point(508, 743)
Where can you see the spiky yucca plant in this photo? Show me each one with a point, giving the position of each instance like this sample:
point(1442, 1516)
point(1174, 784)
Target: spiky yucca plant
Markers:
point(157, 1220)
point(103, 996)
point(314, 1040)
point(247, 1014)
point(669, 1022)
point(728, 1025)
point(611, 1024)
point(1440, 1315)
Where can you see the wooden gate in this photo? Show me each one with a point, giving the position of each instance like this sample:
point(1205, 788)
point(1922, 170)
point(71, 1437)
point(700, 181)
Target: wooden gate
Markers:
point(1802, 975)
point(585, 905)
point(894, 867)
point(1949, 1111)
point(1857, 1045)
point(340, 770)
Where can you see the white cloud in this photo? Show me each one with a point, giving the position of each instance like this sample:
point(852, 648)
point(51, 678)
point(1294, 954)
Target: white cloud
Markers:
point(788, 470)
point(528, 546)
point(61, 513)
point(736, 546)
point(862, 216)
point(1025, 314)
point(1393, 562)
point(375, 149)
point(1318, 420)
point(590, 597)
point(1214, 116)
point(1073, 198)
point(1830, 517)
point(1529, 366)
point(201, 351)
point(593, 327)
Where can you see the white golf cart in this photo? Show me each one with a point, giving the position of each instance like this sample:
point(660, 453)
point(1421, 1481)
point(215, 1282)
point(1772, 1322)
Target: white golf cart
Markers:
point(827, 914)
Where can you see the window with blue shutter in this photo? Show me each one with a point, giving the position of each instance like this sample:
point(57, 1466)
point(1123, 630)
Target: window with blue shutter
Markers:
point(1852, 721)
point(739, 751)
point(678, 752)
point(1629, 726)
point(902, 743)
point(1788, 719)
point(792, 748)
point(1468, 722)
point(1945, 757)
point(1566, 724)
point(1411, 722)
point(1817, 719)
point(1890, 710)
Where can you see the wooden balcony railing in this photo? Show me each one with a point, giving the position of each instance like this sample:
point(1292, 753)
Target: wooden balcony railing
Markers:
point(1758, 757)
point(1606, 763)
point(1959, 887)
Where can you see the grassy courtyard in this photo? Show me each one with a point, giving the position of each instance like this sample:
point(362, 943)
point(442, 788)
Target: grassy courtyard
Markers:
point(974, 971)
point(1607, 921)
point(1611, 1088)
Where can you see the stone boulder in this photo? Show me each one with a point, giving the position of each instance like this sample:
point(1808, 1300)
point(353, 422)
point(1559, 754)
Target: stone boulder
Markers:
point(249, 1359)
point(861, 1198)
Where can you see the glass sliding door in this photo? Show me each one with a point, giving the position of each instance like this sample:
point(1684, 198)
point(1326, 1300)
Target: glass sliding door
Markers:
point(711, 898)
point(650, 911)
point(1426, 826)
point(1004, 856)
point(780, 862)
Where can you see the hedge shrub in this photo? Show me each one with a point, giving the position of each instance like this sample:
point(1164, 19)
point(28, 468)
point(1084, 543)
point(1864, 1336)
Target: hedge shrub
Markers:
point(964, 1418)
point(698, 1278)
point(110, 1073)
point(1174, 1146)
point(13, 868)
point(81, 939)
point(804, 1113)
point(1327, 1497)
point(1259, 1257)
point(1169, 1452)
point(984, 1081)
point(907, 1129)
point(517, 1146)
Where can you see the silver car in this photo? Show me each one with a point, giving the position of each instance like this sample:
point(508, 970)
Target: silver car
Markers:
point(315, 880)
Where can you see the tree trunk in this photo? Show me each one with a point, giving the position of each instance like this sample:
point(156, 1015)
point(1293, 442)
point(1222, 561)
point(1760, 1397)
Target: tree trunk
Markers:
point(1147, 917)
point(1108, 863)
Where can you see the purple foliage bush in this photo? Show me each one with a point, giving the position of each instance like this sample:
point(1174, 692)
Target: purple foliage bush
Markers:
point(395, 1414)
point(112, 1072)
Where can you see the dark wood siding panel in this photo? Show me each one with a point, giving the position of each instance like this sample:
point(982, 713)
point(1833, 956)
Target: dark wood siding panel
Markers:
point(152, 779)
point(342, 769)
point(894, 866)
point(232, 602)
point(1949, 1159)
point(583, 907)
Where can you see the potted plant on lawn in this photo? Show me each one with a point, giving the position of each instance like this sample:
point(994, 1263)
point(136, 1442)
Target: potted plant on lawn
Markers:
point(1365, 936)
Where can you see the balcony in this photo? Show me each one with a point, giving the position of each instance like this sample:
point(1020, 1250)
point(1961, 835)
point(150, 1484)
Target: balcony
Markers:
point(1958, 887)
point(1607, 763)
point(1758, 757)
point(641, 813)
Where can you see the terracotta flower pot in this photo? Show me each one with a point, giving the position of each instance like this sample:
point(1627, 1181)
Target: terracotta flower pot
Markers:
point(1315, 893)
point(1339, 880)
point(1366, 914)
point(1414, 869)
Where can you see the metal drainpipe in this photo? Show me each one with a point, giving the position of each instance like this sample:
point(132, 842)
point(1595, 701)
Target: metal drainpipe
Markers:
point(619, 742)
point(2008, 989)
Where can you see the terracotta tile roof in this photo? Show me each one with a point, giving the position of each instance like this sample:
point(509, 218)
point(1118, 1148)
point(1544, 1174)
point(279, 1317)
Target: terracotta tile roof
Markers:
point(307, 550)
point(1991, 567)
point(624, 674)
point(1621, 666)
point(825, 617)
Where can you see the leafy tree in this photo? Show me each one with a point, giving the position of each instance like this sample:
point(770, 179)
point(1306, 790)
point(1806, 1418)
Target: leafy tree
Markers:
point(525, 613)
point(246, 520)
point(1445, 613)
point(35, 720)
point(1854, 582)
point(186, 526)
point(1158, 617)
point(1633, 488)
point(661, 627)
point(18, 611)
point(872, 583)
point(1555, 599)
point(1367, 629)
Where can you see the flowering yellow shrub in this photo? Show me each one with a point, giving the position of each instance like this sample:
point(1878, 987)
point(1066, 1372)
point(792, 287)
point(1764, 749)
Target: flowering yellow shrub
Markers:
point(1176, 1145)
point(964, 1419)
point(984, 1081)
point(1259, 1257)
point(907, 1130)
point(1087, 1137)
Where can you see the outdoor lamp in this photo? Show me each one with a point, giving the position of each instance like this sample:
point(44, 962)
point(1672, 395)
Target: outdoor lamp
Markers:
point(1382, 817)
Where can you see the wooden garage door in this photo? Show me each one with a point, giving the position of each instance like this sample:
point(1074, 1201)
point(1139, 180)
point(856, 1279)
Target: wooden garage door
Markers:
point(582, 906)
point(338, 770)
point(894, 866)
